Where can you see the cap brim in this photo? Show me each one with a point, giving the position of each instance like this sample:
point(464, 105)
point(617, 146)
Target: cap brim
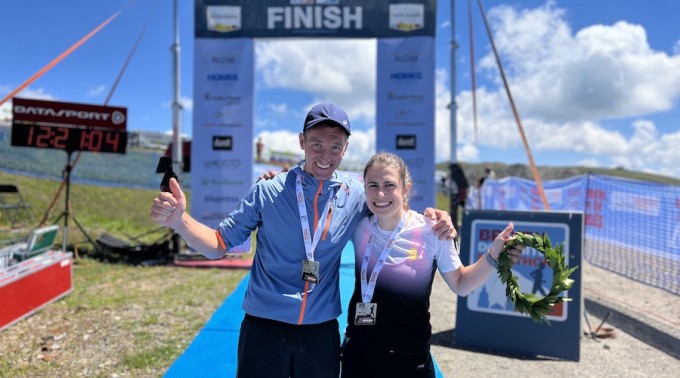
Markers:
point(327, 121)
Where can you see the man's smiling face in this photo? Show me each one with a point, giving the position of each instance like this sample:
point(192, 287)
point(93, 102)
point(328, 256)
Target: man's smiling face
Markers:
point(324, 148)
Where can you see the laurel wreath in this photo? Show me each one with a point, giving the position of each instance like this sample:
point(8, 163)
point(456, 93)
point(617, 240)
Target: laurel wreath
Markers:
point(526, 303)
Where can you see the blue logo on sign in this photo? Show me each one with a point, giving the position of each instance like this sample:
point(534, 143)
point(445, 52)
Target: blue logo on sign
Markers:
point(223, 77)
point(406, 75)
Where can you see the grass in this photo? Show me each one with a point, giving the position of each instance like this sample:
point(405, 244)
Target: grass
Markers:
point(120, 211)
point(119, 319)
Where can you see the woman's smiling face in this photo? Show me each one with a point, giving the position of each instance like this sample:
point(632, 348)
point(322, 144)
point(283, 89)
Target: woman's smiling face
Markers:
point(385, 193)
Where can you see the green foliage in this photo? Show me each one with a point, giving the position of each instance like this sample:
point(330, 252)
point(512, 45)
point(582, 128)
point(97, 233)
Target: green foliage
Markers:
point(526, 303)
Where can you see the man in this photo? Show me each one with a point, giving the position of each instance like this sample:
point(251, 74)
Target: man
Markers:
point(259, 146)
point(304, 218)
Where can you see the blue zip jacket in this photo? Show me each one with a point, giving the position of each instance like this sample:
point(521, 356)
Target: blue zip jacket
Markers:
point(276, 289)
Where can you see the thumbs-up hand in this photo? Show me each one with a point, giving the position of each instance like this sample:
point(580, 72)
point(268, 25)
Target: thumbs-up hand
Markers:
point(168, 207)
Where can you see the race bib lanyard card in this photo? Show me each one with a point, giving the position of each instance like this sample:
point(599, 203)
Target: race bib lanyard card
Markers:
point(310, 271)
point(366, 311)
point(310, 268)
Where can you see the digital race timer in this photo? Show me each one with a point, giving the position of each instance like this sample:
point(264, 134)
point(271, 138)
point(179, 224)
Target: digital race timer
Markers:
point(70, 138)
point(68, 126)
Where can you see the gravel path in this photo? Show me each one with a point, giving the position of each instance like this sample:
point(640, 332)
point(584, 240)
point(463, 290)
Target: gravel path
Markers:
point(645, 322)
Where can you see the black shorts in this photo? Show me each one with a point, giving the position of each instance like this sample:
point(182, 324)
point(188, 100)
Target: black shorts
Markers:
point(362, 361)
point(269, 349)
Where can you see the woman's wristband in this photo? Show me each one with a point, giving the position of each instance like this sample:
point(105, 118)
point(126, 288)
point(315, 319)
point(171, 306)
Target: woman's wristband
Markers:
point(490, 260)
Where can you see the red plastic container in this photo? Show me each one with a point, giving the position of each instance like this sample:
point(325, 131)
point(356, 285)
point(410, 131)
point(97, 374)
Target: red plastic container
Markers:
point(28, 286)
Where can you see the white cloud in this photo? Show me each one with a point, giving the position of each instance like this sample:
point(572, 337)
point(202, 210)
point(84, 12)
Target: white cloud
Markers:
point(589, 163)
point(94, 92)
point(361, 147)
point(442, 118)
point(581, 93)
point(28, 92)
point(602, 71)
point(647, 150)
point(6, 107)
point(341, 71)
point(567, 86)
point(187, 103)
point(468, 152)
point(280, 140)
point(280, 108)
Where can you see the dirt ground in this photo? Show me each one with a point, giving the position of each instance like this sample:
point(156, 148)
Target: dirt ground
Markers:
point(645, 324)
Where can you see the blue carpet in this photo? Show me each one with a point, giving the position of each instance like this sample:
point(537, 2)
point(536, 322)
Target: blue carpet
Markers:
point(213, 352)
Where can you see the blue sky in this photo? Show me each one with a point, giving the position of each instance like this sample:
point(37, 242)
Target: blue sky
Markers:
point(596, 83)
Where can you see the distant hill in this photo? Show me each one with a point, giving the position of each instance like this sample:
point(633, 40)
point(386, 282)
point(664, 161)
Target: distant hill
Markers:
point(473, 171)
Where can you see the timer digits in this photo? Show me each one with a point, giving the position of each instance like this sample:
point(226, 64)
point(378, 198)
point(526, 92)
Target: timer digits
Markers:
point(95, 140)
point(69, 138)
point(48, 137)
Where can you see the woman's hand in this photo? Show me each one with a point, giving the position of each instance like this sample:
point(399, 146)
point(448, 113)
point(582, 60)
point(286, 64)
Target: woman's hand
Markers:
point(514, 252)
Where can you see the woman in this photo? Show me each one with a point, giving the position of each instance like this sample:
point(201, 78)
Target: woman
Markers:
point(388, 332)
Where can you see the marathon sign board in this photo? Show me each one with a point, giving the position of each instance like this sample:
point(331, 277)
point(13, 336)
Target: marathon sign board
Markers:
point(405, 109)
point(314, 18)
point(224, 85)
point(487, 312)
